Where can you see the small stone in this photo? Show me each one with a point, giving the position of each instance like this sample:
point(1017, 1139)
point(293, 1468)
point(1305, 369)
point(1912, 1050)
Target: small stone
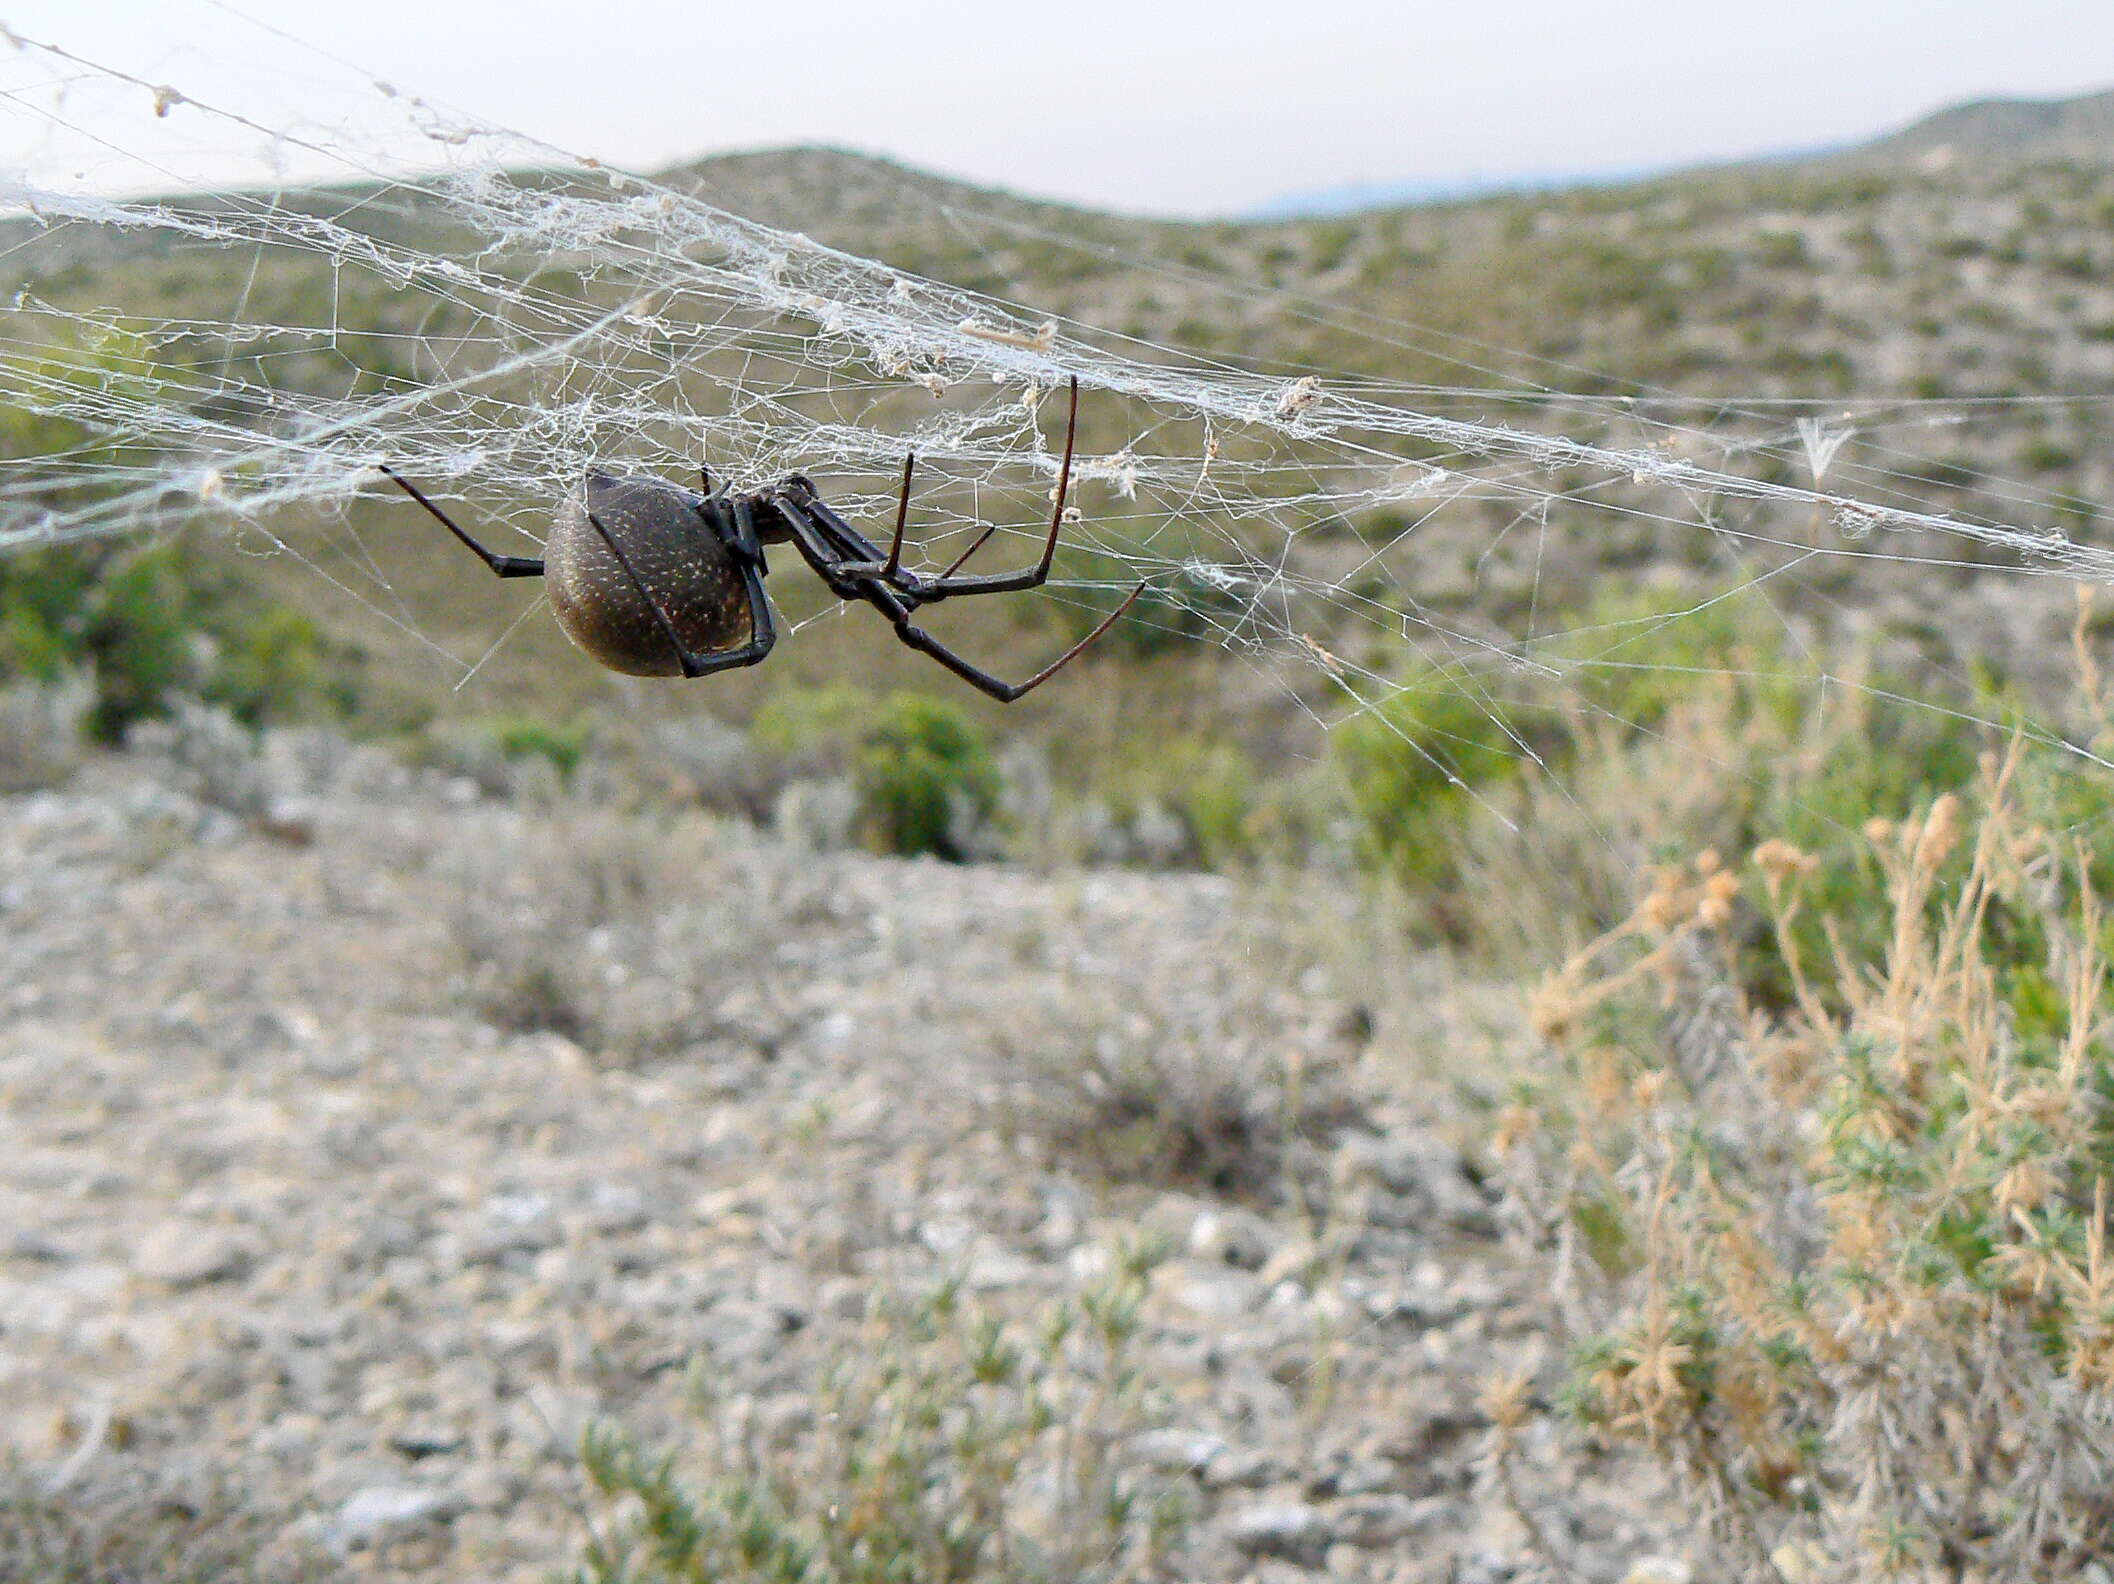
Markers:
point(1659, 1570)
point(490, 1489)
point(1386, 1518)
point(1233, 1237)
point(844, 1298)
point(1217, 1294)
point(1291, 1530)
point(1355, 1477)
point(417, 1441)
point(996, 1269)
point(1245, 1467)
point(1177, 1451)
point(184, 1254)
point(513, 1224)
point(32, 1245)
point(379, 1513)
point(1418, 1180)
point(1798, 1561)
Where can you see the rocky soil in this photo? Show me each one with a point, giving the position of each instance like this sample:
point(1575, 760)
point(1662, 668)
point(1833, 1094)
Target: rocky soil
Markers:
point(287, 1211)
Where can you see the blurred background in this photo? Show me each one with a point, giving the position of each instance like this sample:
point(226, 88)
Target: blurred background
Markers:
point(1533, 1009)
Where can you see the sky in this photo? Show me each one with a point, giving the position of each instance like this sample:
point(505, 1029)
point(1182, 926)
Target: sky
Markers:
point(1177, 107)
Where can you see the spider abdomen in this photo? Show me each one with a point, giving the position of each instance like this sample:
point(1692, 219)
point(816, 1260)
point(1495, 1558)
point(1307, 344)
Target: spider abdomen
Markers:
point(674, 551)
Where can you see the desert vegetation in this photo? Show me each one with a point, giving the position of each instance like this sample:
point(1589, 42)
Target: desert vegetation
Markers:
point(1645, 1121)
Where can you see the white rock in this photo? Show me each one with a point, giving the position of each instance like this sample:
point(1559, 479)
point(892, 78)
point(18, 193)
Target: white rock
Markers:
point(1177, 1451)
point(381, 1512)
point(184, 1254)
point(1231, 1237)
point(1385, 1518)
point(1292, 1530)
point(1659, 1570)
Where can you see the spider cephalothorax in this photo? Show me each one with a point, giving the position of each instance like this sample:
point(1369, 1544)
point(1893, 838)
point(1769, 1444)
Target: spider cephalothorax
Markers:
point(653, 579)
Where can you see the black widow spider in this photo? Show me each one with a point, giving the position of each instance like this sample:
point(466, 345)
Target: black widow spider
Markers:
point(635, 584)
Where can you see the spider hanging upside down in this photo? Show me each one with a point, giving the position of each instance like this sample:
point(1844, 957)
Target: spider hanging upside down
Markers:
point(652, 579)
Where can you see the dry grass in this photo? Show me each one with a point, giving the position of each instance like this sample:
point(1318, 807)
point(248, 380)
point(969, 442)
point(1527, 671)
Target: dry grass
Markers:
point(947, 1443)
point(1230, 1086)
point(1844, 1264)
point(40, 732)
point(127, 1533)
point(624, 933)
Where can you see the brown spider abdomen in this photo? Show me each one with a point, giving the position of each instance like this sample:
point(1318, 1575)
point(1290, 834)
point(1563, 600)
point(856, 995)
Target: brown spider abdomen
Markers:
point(675, 553)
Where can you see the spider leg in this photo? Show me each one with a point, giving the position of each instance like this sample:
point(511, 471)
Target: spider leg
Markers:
point(899, 605)
point(857, 557)
point(962, 560)
point(822, 550)
point(736, 528)
point(1005, 692)
point(946, 584)
point(502, 565)
point(762, 633)
point(895, 548)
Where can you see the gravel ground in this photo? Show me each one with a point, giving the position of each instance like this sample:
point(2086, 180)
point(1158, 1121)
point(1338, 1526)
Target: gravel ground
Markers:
point(283, 1210)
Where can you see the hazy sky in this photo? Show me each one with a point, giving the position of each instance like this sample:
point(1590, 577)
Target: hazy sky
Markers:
point(1174, 106)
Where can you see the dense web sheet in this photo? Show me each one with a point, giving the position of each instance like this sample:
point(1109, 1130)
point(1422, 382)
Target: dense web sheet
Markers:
point(351, 275)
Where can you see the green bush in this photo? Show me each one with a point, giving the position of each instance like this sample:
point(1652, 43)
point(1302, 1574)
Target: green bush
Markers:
point(923, 771)
point(1416, 764)
point(525, 737)
point(925, 774)
point(155, 623)
point(150, 623)
point(1648, 737)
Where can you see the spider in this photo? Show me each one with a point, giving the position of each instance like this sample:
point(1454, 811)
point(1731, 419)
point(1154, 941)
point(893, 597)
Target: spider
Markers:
point(652, 579)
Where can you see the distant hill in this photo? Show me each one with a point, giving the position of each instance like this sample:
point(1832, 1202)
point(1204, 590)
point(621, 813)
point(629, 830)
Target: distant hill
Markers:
point(2003, 129)
point(1982, 129)
point(1315, 203)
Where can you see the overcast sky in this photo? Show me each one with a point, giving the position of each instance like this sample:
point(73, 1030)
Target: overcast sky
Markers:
point(1169, 106)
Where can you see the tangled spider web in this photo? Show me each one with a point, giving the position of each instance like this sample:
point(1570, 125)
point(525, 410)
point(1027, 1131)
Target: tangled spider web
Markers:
point(296, 310)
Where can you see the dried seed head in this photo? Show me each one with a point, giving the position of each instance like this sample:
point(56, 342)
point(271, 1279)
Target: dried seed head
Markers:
point(1877, 831)
point(1941, 833)
point(1554, 1011)
point(1607, 1091)
point(1664, 905)
point(1779, 860)
point(1720, 891)
point(1504, 1399)
point(2026, 1187)
point(1515, 1125)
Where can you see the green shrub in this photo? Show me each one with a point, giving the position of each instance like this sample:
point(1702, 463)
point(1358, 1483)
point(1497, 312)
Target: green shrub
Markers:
point(275, 664)
point(156, 623)
point(1217, 798)
point(1647, 737)
point(1415, 766)
point(924, 774)
point(525, 737)
point(812, 723)
point(147, 623)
